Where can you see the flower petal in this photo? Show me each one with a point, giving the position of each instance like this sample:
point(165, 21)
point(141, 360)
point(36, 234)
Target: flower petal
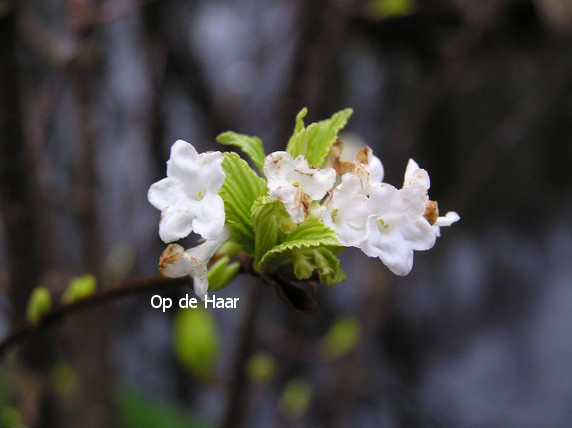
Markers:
point(175, 224)
point(209, 216)
point(315, 182)
point(415, 176)
point(183, 162)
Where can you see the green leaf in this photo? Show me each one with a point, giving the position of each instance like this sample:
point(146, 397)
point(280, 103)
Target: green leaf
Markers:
point(240, 189)
point(316, 140)
point(252, 146)
point(196, 340)
point(310, 234)
point(222, 273)
point(323, 260)
point(296, 397)
point(79, 288)
point(260, 367)
point(271, 225)
point(342, 337)
point(39, 304)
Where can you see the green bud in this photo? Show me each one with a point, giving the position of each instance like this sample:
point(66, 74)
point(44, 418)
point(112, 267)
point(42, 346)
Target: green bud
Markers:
point(79, 288)
point(39, 304)
point(222, 273)
point(303, 267)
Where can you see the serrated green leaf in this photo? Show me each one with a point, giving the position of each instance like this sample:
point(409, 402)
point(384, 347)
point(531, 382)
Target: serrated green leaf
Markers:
point(79, 287)
point(311, 233)
point(342, 337)
point(39, 304)
point(196, 340)
point(242, 186)
point(270, 220)
point(252, 146)
point(316, 140)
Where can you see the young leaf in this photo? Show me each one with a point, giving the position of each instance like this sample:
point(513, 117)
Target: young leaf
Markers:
point(252, 146)
point(39, 304)
point(239, 191)
point(321, 260)
point(270, 219)
point(197, 341)
point(312, 233)
point(316, 140)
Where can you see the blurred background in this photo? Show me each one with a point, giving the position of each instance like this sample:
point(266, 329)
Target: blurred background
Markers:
point(479, 93)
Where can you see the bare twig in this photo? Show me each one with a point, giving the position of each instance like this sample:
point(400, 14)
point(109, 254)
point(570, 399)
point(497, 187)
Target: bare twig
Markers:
point(24, 329)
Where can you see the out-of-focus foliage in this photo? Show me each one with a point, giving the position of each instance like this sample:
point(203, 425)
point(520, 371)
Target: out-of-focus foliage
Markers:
point(342, 337)
point(64, 379)
point(296, 397)
point(381, 9)
point(260, 367)
point(40, 303)
point(138, 411)
point(120, 261)
point(196, 340)
point(79, 288)
point(11, 418)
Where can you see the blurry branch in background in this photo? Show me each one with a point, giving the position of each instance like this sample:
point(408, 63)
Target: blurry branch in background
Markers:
point(511, 131)
point(478, 19)
point(24, 329)
point(322, 32)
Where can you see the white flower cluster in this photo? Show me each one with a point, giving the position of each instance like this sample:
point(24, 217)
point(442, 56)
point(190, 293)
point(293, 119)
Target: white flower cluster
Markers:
point(366, 213)
point(349, 196)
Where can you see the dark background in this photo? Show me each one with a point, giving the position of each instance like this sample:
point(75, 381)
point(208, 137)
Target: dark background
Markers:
point(479, 93)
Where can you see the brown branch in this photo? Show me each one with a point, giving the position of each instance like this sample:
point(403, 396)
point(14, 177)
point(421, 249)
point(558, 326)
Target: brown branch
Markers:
point(25, 329)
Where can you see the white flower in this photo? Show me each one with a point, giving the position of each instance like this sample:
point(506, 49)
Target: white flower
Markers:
point(175, 262)
point(417, 176)
point(188, 198)
point(365, 164)
point(447, 220)
point(347, 210)
point(295, 183)
point(397, 227)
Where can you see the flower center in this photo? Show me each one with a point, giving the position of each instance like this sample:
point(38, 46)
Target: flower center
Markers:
point(200, 195)
point(334, 214)
point(381, 224)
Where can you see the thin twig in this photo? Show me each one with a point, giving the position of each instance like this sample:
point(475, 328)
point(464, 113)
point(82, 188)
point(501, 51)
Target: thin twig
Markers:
point(25, 329)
